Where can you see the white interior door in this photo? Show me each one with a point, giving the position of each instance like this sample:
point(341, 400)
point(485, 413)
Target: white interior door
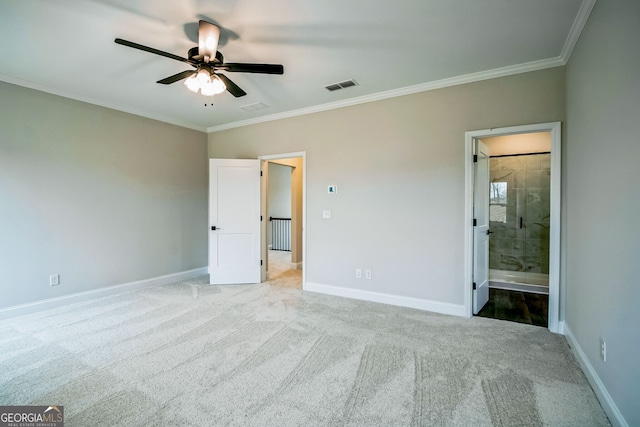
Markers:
point(234, 221)
point(481, 227)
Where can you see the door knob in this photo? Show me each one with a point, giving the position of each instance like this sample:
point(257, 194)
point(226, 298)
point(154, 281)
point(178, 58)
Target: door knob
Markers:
point(214, 228)
point(489, 232)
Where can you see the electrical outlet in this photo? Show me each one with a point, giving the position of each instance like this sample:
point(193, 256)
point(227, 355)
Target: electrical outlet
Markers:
point(54, 280)
point(358, 273)
point(368, 274)
point(603, 350)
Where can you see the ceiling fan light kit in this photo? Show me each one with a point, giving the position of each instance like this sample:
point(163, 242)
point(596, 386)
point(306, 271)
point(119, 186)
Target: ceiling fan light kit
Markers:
point(208, 85)
point(208, 36)
point(207, 62)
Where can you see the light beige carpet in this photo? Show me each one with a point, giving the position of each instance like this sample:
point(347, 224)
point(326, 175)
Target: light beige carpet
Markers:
point(280, 273)
point(190, 354)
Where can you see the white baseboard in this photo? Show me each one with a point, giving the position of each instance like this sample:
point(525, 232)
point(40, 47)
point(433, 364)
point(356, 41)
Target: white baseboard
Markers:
point(402, 301)
point(561, 328)
point(598, 387)
point(32, 307)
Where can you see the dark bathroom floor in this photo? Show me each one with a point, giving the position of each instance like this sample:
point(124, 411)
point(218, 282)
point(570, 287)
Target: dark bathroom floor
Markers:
point(516, 306)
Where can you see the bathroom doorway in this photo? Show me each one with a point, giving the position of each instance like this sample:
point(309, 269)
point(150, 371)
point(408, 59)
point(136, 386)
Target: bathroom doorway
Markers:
point(519, 211)
point(519, 220)
point(524, 219)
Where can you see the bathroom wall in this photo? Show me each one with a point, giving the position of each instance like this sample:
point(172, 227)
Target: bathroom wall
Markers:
point(523, 143)
point(512, 247)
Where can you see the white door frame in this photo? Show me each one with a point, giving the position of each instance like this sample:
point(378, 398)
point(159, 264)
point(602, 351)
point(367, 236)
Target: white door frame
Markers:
point(303, 155)
point(555, 199)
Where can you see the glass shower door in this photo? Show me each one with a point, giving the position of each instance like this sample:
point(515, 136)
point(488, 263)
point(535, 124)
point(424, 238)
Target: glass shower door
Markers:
point(519, 206)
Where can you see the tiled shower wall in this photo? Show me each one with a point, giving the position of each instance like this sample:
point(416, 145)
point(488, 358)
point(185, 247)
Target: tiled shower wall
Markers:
point(528, 181)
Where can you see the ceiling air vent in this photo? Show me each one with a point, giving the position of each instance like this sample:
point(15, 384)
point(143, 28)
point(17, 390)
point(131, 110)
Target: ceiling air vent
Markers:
point(341, 85)
point(256, 106)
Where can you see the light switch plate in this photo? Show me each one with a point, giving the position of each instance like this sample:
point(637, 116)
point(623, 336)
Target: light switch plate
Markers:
point(326, 214)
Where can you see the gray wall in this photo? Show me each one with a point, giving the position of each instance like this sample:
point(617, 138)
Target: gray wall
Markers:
point(99, 196)
point(601, 247)
point(399, 167)
point(279, 190)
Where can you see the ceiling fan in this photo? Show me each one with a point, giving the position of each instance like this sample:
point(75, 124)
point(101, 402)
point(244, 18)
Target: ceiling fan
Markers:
point(207, 62)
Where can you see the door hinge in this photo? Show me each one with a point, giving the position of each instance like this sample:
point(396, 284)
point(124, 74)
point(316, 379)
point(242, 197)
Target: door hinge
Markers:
point(474, 286)
point(260, 173)
point(475, 158)
point(475, 222)
point(261, 264)
point(260, 218)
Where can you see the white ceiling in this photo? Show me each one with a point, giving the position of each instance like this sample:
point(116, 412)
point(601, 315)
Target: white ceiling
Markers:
point(389, 47)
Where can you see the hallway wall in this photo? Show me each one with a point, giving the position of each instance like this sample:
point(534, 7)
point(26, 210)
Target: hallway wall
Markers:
point(279, 194)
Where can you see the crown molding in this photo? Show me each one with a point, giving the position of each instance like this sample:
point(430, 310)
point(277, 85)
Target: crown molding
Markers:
point(576, 29)
point(409, 90)
point(574, 34)
point(55, 91)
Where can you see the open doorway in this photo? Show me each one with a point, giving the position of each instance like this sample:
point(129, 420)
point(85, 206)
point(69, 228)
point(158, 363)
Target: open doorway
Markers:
point(283, 226)
point(523, 221)
point(519, 220)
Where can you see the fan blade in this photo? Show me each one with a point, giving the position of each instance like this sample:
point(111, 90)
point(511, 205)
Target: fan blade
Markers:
point(176, 77)
point(234, 67)
point(232, 88)
point(152, 50)
point(208, 36)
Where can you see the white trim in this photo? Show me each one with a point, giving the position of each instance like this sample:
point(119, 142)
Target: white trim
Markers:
point(562, 327)
point(296, 265)
point(576, 29)
point(32, 307)
point(524, 287)
point(609, 406)
point(397, 300)
point(303, 155)
point(283, 155)
point(54, 91)
point(555, 200)
point(409, 90)
point(555, 197)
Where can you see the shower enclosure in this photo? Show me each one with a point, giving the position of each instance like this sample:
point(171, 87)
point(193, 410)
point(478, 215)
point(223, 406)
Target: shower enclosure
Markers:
point(519, 219)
